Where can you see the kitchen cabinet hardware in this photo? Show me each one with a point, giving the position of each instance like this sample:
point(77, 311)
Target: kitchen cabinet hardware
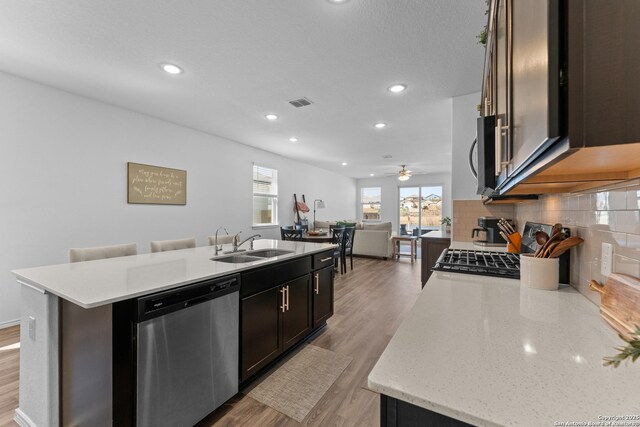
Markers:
point(326, 259)
point(316, 288)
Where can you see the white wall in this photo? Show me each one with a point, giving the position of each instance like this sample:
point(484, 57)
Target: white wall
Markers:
point(464, 114)
point(64, 161)
point(390, 195)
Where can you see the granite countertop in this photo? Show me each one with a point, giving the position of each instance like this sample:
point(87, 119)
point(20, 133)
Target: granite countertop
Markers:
point(94, 283)
point(489, 352)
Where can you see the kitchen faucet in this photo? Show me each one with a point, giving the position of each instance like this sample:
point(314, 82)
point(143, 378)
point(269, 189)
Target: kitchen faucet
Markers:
point(215, 241)
point(237, 243)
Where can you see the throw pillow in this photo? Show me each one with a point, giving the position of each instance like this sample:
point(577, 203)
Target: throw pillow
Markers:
point(345, 224)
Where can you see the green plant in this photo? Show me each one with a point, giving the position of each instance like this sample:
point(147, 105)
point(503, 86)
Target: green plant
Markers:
point(631, 351)
point(482, 37)
point(446, 221)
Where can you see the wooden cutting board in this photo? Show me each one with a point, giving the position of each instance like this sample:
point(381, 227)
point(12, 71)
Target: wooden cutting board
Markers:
point(619, 301)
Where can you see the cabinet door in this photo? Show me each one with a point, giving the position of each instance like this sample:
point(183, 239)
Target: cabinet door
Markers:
point(260, 337)
point(322, 296)
point(535, 77)
point(502, 100)
point(296, 316)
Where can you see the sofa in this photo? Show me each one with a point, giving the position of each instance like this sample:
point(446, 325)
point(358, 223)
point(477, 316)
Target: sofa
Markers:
point(371, 238)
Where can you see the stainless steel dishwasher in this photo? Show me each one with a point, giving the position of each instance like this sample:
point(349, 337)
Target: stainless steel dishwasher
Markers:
point(187, 352)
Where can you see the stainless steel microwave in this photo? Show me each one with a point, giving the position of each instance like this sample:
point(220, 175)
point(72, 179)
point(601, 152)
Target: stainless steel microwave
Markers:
point(486, 156)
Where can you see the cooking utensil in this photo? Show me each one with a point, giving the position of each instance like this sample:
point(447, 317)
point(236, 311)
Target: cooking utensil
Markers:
point(564, 246)
point(558, 236)
point(556, 228)
point(550, 247)
point(619, 301)
point(541, 240)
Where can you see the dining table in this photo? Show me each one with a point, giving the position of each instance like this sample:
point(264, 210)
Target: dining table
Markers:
point(325, 237)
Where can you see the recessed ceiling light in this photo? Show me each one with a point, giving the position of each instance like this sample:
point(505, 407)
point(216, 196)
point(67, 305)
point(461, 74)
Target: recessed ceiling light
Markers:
point(397, 88)
point(293, 139)
point(271, 116)
point(387, 156)
point(344, 163)
point(171, 69)
point(380, 125)
point(370, 174)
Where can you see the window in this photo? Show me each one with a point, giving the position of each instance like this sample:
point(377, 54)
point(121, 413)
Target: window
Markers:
point(370, 198)
point(265, 196)
point(420, 209)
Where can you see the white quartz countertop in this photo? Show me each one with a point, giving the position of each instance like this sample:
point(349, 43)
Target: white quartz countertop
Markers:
point(489, 352)
point(94, 283)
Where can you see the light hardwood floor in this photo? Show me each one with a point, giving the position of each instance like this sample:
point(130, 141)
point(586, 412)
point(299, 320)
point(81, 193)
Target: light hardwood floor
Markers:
point(370, 303)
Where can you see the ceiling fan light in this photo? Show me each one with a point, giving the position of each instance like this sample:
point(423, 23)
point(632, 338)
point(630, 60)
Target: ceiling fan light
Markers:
point(404, 177)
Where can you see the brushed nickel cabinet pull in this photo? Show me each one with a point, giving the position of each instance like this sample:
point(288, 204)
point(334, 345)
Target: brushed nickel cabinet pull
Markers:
point(317, 287)
point(326, 259)
point(283, 306)
point(287, 298)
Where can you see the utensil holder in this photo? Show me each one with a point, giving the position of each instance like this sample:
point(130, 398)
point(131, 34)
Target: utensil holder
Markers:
point(515, 246)
point(539, 273)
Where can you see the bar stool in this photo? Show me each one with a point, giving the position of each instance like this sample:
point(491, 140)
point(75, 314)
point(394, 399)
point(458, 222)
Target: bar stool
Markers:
point(172, 245)
point(102, 252)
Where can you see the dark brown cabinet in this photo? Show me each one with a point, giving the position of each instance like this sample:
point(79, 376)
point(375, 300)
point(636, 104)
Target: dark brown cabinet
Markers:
point(431, 248)
point(295, 314)
point(560, 78)
point(322, 295)
point(280, 305)
point(260, 339)
point(272, 321)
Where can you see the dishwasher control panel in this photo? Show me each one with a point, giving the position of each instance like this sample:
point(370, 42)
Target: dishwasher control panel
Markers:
point(165, 302)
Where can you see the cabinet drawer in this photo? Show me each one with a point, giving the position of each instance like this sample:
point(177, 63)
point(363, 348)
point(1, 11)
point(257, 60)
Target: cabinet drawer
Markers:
point(323, 259)
point(254, 281)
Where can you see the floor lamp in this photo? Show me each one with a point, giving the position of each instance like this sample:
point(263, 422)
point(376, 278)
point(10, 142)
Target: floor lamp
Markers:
point(317, 204)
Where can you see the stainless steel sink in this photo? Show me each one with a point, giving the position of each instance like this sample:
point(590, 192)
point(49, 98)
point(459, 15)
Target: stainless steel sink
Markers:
point(269, 253)
point(238, 259)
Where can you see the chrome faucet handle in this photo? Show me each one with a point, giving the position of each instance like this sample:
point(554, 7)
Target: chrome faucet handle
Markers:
point(236, 241)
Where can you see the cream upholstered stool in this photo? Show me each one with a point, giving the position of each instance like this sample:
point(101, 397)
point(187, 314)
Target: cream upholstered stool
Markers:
point(222, 240)
point(172, 245)
point(101, 252)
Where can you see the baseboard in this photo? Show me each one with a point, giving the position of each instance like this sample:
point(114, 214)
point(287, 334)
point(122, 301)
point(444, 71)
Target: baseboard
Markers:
point(9, 323)
point(22, 419)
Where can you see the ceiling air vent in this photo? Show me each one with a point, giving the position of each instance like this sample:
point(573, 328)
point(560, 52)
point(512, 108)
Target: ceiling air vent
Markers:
point(302, 102)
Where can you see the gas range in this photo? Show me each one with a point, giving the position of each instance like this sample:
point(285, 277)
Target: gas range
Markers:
point(485, 263)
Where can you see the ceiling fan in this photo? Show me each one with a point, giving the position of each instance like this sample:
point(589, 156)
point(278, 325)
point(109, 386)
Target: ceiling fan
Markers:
point(403, 175)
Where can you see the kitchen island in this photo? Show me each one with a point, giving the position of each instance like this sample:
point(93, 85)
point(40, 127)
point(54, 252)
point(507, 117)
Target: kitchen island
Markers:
point(488, 352)
point(77, 356)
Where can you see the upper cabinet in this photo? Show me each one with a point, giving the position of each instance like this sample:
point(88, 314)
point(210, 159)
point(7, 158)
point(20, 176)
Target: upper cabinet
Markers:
point(561, 79)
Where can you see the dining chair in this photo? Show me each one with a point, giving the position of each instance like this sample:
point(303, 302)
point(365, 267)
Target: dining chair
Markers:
point(338, 234)
point(102, 252)
point(172, 245)
point(349, 237)
point(291, 234)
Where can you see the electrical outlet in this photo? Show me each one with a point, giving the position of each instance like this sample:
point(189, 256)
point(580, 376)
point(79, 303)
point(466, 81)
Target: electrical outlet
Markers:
point(32, 328)
point(606, 259)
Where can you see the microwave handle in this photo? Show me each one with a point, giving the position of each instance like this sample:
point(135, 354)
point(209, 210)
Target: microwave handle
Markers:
point(474, 172)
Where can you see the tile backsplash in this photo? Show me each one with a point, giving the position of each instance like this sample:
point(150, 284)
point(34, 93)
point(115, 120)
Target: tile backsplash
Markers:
point(607, 215)
point(466, 213)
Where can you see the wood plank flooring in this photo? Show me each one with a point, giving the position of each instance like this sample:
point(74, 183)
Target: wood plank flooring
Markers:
point(9, 372)
point(370, 303)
